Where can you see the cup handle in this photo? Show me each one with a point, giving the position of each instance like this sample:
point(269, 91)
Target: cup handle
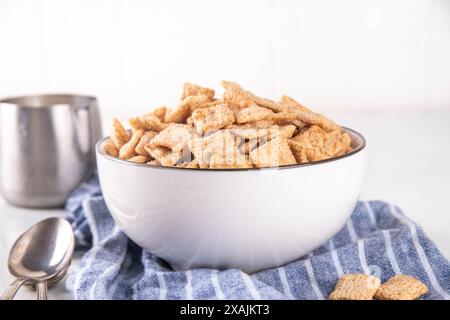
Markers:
point(11, 291)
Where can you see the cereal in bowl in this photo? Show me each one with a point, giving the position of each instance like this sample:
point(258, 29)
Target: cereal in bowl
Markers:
point(237, 130)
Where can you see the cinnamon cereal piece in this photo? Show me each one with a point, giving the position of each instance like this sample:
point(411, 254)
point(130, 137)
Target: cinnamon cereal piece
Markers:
point(110, 148)
point(288, 131)
point(299, 151)
point(174, 137)
point(160, 113)
point(139, 159)
point(401, 287)
point(119, 135)
point(190, 89)
point(145, 140)
point(128, 149)
point(164, 155)
point(154, 162)
point(193, 164)
point(217, 149)
point(276, 152)
point(147, 122)
point(235, 96)
point(252, 114)
point(212, 118)
point(307, 117)
point(187, 105)
point(239, 98)
point(355, 286)
point(289, 104)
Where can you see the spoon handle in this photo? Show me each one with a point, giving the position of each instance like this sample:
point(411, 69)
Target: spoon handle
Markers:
point(41, 289)
point(11, 291)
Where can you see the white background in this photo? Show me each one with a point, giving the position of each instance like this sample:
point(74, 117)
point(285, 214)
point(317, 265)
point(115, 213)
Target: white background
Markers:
point(379, 66)
point(135, 55)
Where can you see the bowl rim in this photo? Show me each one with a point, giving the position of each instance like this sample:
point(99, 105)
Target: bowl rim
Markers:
point(358, 149)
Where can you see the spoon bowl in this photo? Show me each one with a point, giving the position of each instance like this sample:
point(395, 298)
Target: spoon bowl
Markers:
point(41, 254)
point(42, 251)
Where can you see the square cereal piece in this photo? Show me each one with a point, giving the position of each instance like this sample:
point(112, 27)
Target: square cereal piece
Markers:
point(252, 114)
point(212, 118)
point(289, 104)
point(401, 287)
point(305, 117)
point(276, 152)
point(147, 122)
point(160, 112)
point(174, 137)
point(145, 140)
point(355, 286)
point(190, 89)
point(185, 108)
point(128, 149)
point(119, 136)
point(139, 159)
point(110, 148)
point(238, 98)
point(163, 155)
point(220, 147)
point(287, 131)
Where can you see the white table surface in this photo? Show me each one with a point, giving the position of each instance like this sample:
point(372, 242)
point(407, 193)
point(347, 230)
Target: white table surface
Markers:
point(408, 165)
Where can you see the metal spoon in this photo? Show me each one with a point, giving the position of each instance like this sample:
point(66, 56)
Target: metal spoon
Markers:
point(43, 252)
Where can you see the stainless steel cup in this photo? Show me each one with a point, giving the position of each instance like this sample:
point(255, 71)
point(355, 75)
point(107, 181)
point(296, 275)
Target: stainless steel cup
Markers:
point(46, 147)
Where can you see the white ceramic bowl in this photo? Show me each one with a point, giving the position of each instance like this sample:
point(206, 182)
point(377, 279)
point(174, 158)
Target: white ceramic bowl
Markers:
point(250, 219)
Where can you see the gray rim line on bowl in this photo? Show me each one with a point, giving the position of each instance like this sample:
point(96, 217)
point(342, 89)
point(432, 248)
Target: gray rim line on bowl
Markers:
point(360, 147)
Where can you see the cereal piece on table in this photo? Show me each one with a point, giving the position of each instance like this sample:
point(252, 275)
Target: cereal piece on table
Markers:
point(110, 148)
point(307, 117)
point(164, 155)
point(289, 104)
point(119, 135)
point(147, 122)
point(401, 287)
point(190, 89)
point(145, 140)
point(275, 152)
point(185, 108)
point(355, 286)
point(139, 159)
point(252, 114)
point(174, 137)
point(212, 118)
point(128, 149)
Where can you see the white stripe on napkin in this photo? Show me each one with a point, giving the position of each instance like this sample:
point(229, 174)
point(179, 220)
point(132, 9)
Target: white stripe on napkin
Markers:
point(250, 286)
point(284, 282)
point(335, 258)
point(390, 253)
point(312, 278)
point(216, 285)
point(189, 285)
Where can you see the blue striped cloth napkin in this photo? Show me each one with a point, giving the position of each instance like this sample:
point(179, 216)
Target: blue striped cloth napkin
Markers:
point(378, 239)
